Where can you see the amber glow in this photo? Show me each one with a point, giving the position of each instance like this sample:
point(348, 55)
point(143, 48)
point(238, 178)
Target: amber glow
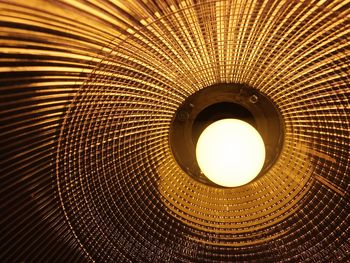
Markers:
point(90, 90)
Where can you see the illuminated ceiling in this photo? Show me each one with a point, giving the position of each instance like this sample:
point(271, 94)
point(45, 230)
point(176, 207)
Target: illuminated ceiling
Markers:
point(88, 93)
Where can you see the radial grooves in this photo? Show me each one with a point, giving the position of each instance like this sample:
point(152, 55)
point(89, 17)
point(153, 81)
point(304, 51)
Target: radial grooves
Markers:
point(88, 93)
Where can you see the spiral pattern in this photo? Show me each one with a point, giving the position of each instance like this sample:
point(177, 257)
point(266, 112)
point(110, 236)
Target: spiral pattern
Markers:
point(89, 90)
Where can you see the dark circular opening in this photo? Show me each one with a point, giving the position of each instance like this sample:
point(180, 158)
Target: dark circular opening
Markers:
point(219, 111)
point(223, 101)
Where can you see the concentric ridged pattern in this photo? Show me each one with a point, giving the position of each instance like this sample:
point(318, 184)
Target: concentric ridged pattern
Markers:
point(88, 92)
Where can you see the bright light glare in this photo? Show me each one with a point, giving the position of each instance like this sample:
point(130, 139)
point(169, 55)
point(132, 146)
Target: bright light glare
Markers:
point(230, 152)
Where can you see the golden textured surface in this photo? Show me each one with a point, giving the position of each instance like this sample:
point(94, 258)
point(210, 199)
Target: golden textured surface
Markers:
point(88, 92)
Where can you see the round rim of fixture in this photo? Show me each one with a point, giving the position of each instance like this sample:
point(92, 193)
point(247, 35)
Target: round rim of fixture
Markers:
point(220, 101)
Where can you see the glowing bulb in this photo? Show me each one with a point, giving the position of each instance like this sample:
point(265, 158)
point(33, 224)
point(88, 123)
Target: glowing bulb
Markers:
point(230, 152)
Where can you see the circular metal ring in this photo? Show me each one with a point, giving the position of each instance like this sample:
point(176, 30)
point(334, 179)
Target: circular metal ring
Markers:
point(222, 101)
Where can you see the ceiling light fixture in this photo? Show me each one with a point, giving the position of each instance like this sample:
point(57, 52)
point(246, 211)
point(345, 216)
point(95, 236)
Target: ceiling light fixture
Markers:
point(102, 105)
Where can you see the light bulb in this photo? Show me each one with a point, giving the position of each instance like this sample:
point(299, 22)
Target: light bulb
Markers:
point(230, 152)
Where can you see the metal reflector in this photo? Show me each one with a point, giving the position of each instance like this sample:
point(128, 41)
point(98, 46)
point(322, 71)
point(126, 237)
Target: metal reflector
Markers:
point(89, 90)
